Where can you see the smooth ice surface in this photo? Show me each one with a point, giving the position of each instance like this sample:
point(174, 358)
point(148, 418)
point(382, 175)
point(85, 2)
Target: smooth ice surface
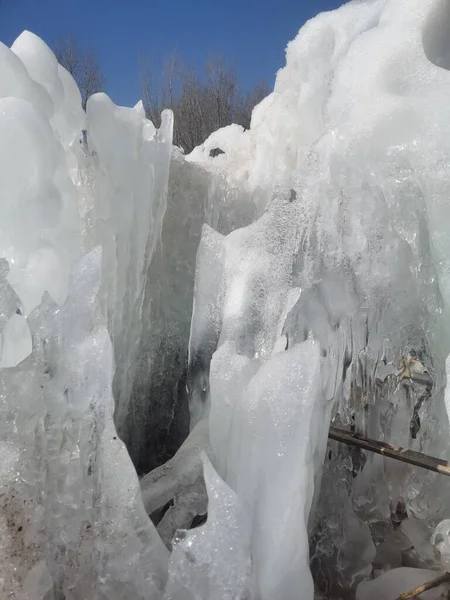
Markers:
point(206, 319)
point(182, 471)
point(275, 427)
point(265, 410)
point(17, 344)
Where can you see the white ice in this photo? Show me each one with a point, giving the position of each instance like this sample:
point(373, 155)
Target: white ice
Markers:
point(61, 455)
point(324, 263)
point(196, 566)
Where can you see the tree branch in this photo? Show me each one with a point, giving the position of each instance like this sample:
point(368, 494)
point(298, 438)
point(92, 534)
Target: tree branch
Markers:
point(417, 459)
point(425, 587)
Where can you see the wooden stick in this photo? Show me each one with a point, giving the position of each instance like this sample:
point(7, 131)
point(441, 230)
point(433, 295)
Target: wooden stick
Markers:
point(445, 578)
point(417, 459)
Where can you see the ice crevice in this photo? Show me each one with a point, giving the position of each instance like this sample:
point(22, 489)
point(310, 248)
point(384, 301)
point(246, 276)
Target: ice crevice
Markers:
point(178, 332)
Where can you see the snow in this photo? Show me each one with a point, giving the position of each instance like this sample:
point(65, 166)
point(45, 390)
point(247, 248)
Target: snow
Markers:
point(207, 317)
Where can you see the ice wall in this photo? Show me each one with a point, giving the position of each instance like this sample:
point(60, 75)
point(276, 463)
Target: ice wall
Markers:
point(321, 292)
point(159, 419)
point(124, 190)
point(68, 529)
point(357, 129)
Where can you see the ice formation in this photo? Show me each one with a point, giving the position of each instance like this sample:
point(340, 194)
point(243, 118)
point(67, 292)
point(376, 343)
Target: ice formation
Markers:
point(201, 320)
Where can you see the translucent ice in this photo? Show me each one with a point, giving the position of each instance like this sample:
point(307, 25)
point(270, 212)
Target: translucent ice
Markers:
point(441, 541)
point(16, 341)
point(40, 230)
point(390, 585)
point(183, 470)
point(196, 569)
point(125, 196)
point(60, 503)
point(322, 291)
point(206, 319)
point(362, 155)
point(157, 420)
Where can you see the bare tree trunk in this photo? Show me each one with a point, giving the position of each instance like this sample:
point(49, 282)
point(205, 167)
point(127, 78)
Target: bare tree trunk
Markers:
point(83, 66)
point(201, 105)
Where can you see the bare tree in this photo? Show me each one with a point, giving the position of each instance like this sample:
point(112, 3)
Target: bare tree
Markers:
point(159, 94)
point(202, 103)
point(249, 101)
point(82, 65)
point(221, 93)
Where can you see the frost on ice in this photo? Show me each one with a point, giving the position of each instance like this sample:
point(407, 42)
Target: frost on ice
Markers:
point(220, 310)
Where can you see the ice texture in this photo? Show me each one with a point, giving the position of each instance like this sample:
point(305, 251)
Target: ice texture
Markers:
point(60, 502)
point(357, 130)
point(182, 471)
point(441, 542)
point(68, 529)
point(206, 321)
point(248, 299)
point(128, 189)
point(264, 408)
point(196, 568)
point(156, 419)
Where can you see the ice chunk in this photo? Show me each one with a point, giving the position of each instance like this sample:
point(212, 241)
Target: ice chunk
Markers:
point(60, 504)
point(16, 82)
point(182, 471)
point(40, 63)
point(192, 502)
point(36, 232)
point(213, 562)
point(418, 535)
point(16, 341)
point(441, 541)
point(126, 198)
point(275, 424)
point(266, 409)
point(206, 321)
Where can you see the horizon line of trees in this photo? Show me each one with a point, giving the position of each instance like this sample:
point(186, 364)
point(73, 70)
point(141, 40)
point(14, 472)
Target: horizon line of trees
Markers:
point(202, 100)
point(82, 64)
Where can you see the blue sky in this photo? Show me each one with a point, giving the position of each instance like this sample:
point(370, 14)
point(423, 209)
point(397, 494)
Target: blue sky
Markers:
point(252, 34)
